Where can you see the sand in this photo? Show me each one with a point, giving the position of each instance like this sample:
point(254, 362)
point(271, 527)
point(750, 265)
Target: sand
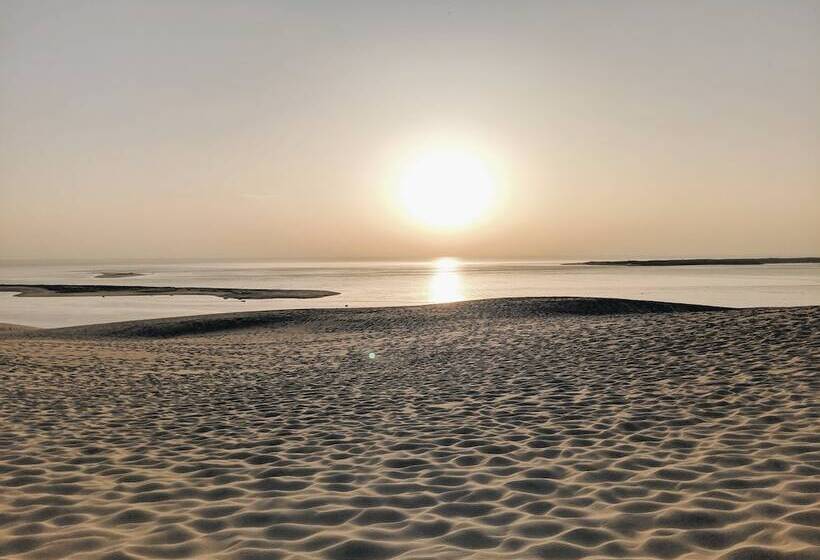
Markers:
point(118, 274)
point(536, 428)
point(5, 327)
point(86, 290)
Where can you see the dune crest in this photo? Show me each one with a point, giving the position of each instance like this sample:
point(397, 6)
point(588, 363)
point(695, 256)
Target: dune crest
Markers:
point(502, 308)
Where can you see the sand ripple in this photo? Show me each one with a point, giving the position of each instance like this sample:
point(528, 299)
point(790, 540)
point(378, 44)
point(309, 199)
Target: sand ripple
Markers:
point(508, 429)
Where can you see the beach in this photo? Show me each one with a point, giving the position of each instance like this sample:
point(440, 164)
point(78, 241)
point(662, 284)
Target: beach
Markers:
point(95, 290)
point(554, 428)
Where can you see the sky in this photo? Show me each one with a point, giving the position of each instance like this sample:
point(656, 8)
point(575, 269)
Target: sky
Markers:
point(262, 129)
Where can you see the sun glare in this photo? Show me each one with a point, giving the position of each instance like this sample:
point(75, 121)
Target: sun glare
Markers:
point(445, 283)
point(446, 189)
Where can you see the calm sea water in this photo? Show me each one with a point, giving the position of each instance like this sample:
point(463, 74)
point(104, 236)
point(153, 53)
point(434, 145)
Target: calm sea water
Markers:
point(365, 284)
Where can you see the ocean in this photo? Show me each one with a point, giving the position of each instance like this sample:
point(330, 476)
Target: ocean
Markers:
point(391, 283)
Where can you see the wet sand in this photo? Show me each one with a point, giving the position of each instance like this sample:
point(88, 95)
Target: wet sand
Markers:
point(90, 290)
point(520, 428)
point(118, 274)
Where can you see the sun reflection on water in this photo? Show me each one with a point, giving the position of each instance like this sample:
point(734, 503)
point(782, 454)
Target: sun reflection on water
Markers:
point(445, 283)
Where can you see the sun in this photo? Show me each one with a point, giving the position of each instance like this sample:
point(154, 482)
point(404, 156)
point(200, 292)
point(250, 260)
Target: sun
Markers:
point(446, 188)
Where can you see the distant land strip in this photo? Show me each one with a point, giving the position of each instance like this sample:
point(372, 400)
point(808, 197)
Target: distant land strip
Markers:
point(119, 274)
point(700, 262)
point(68, 290)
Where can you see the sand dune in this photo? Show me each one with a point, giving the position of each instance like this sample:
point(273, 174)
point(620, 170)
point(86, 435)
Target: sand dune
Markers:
point(13, 327)
point(495, 308)
point(523, 428)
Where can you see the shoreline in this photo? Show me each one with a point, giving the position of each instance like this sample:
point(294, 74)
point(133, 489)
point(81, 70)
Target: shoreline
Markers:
point(703, 262)
point(119, 274)
point(100, 290)
point(570, 305)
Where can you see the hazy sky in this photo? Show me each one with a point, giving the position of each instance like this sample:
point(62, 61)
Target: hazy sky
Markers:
point(161, 129)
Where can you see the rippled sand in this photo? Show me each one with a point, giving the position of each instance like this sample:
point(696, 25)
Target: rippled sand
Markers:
point(554, 429)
